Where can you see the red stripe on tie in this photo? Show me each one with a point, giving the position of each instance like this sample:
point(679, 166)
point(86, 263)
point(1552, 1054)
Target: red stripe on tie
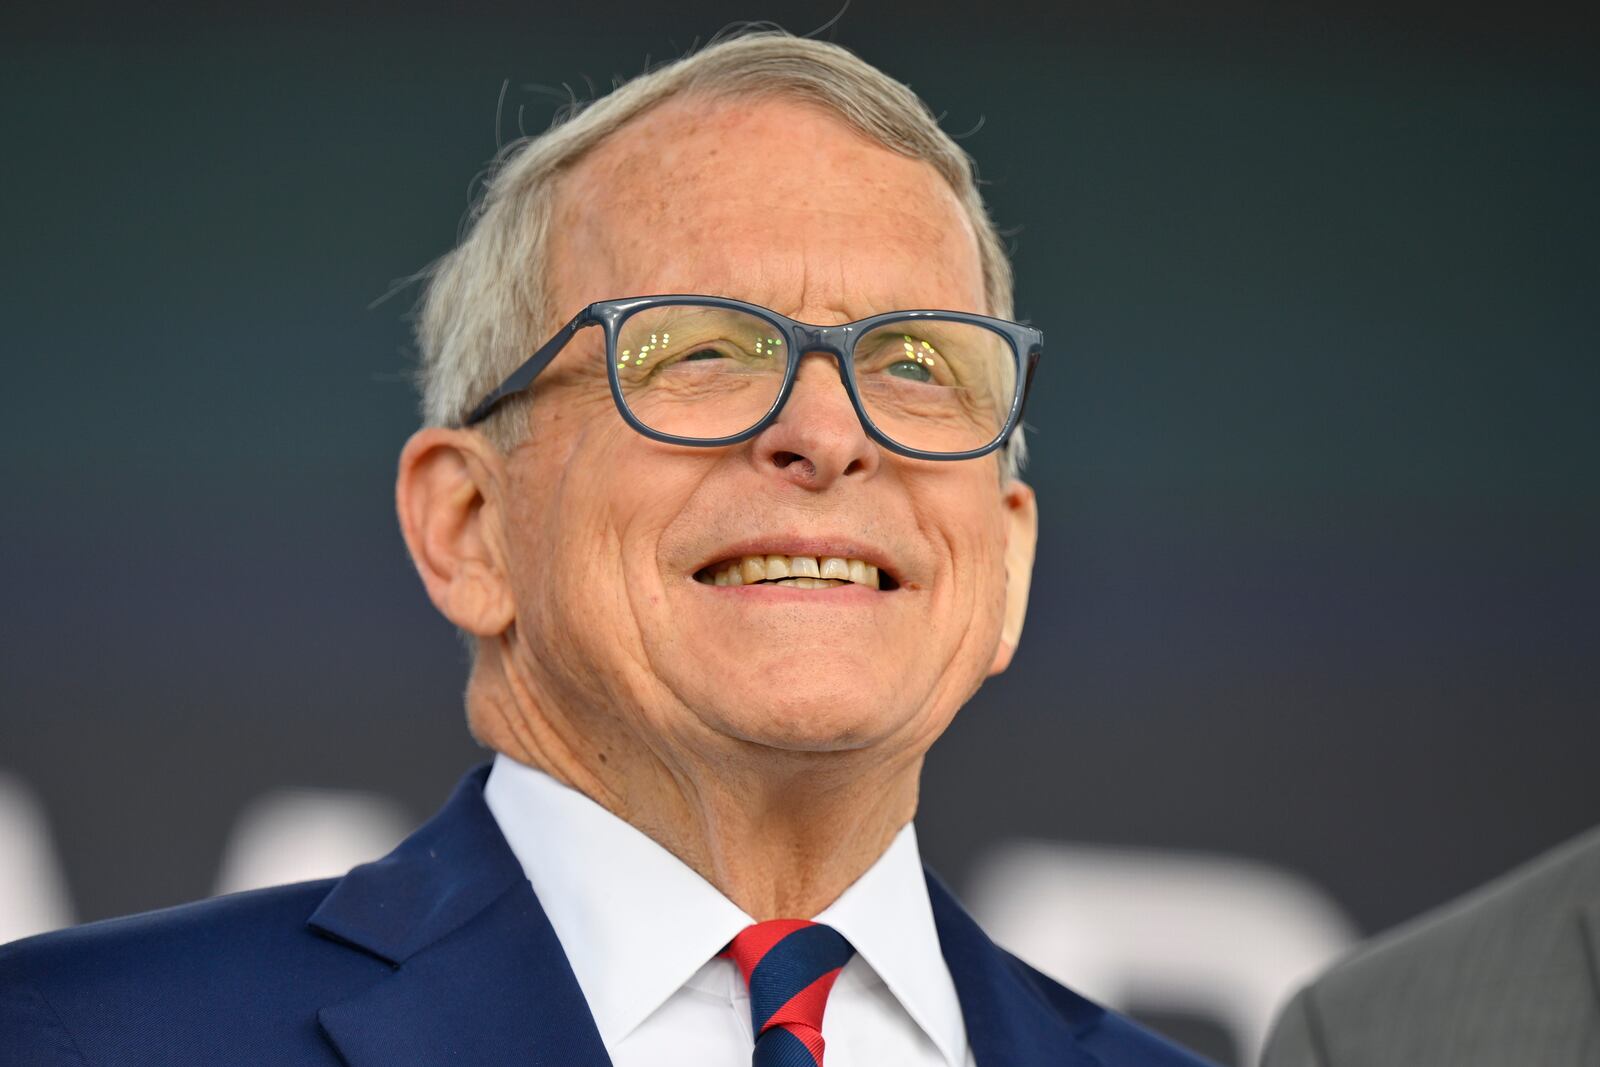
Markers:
point(805, 1009)
point(756, 941)
point(776, 957)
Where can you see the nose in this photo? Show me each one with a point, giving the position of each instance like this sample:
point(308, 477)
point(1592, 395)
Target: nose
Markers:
point(817, 439)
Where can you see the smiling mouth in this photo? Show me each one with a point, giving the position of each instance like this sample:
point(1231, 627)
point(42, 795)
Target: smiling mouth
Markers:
point(796, 572)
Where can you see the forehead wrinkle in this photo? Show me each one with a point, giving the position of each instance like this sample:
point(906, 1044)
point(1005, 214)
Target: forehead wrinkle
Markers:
point(853, 228)
point(845, 205)
point(811, 286)
point(775, 224)
point(795, 275)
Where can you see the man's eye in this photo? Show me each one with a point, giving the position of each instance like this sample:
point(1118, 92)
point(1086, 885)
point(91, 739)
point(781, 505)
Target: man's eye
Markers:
point(703, 353)
point(909, 370)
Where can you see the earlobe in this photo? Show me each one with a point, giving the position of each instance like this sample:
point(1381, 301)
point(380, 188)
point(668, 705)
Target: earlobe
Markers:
point(444, 494)
point(1022, 536)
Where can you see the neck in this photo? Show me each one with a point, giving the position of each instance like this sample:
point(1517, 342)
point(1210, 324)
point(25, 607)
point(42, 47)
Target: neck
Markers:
point(780, 833)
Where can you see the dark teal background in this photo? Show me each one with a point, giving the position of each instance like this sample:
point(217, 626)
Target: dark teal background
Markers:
point(1314, 436)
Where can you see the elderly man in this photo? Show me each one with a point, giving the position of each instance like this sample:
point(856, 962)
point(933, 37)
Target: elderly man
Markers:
point(730, 561)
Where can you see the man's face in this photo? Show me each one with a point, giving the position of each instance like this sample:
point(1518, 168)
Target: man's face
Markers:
point(612, 538)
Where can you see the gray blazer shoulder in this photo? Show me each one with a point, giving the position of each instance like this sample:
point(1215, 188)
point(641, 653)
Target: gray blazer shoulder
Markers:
point(1505, 975)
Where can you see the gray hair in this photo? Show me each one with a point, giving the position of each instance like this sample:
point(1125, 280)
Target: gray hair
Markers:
point(486, 307)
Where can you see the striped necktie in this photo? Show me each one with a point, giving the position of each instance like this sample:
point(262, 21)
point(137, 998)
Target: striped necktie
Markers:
point(790, 966)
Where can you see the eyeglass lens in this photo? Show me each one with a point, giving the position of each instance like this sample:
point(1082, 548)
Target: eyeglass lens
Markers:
point(702, 372)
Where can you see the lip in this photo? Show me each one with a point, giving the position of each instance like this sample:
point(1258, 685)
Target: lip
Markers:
point(844, 548)
point(768, 595)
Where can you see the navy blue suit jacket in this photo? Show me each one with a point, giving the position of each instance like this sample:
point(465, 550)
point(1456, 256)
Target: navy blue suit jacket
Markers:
point(438, 953)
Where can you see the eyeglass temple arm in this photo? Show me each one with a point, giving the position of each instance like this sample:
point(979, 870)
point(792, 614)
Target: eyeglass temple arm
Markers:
point(524, 375)
point(1034, 352)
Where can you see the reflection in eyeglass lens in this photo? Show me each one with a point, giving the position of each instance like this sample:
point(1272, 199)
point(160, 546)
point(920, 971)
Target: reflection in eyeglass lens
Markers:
point(703, 372)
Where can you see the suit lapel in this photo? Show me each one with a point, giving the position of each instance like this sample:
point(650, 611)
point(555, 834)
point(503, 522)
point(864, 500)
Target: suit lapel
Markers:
point(497, 990)
point(478, 974)
point(1011, 1022)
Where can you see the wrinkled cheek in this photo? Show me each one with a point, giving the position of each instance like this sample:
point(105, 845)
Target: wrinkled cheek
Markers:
point(564, 601)
point(984, 604)
point(582, 643)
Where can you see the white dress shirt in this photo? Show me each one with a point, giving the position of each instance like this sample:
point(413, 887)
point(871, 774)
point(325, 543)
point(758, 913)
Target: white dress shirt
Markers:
point(642, 932)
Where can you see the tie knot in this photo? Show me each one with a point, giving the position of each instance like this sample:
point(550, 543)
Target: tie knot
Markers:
point(790, 966)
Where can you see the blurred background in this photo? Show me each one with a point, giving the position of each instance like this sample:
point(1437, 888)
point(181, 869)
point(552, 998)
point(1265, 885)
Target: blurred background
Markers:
point(1313, 642)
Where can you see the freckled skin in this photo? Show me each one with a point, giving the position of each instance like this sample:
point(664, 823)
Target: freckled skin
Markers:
point(773, 746)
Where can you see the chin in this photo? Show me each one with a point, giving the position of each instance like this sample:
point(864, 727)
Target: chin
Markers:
point(799, 715)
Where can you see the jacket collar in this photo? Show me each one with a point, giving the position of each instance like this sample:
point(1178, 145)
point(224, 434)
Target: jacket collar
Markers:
point(1010, 1017)
point(480, 977)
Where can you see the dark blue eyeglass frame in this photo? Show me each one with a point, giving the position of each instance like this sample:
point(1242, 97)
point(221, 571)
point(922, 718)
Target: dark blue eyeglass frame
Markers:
point(1026, 344)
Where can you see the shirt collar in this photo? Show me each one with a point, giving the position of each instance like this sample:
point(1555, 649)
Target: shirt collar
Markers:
point(886, 915)
point(605, 886)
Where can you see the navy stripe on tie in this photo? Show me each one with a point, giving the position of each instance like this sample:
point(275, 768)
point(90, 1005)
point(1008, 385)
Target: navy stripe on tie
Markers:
point(779, 1048)
point(791, 965)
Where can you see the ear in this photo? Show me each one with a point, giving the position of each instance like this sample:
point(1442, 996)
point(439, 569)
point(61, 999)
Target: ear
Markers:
point(1022, 536)
point(445, 495)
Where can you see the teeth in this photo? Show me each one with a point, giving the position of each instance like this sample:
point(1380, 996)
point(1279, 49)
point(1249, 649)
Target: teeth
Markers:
point(797, 572)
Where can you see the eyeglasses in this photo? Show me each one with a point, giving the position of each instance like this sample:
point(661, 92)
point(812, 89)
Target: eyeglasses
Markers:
point(708, 371)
